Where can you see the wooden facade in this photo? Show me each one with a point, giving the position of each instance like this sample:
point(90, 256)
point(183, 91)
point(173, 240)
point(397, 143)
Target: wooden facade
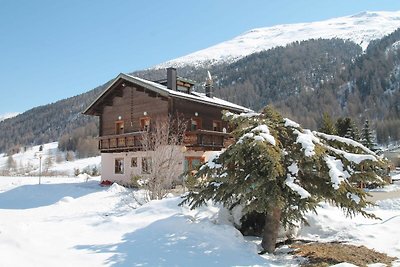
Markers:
point(130, 105)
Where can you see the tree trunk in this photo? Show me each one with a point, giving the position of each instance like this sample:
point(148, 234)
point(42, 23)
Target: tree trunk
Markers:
point(271, 228)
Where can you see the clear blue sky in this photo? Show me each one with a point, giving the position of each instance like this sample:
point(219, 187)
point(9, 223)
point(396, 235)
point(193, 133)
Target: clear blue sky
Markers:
point(53, 49)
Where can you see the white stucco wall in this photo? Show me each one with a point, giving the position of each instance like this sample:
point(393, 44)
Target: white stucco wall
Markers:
point(108, 164)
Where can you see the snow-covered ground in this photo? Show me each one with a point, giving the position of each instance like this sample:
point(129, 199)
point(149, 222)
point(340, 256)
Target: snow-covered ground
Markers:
point(75, 222)
point(360, 28)
point(53, 161)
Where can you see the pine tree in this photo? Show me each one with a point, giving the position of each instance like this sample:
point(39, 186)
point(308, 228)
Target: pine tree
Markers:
point(342, 126)
point(280, 171)
point(367, 138)
point(327, 125)
point(352, 132)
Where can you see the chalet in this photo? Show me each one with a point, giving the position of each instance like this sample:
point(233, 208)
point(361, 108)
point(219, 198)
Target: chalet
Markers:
point(128, 107)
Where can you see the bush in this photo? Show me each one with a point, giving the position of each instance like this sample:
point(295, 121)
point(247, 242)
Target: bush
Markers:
point(135, 181)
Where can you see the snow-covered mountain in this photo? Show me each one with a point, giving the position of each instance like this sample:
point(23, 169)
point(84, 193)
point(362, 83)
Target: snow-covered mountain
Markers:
point(360, 28)
point(8, 115)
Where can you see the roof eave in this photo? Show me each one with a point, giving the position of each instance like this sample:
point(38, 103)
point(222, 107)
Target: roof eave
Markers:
point(87, 110)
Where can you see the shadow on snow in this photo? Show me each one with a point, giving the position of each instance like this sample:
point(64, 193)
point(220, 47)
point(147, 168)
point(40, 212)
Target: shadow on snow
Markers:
point(180, 241)
point(34, 196)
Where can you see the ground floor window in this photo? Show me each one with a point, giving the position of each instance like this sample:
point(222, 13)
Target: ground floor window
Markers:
point(146, 165)
point(134, 162)
point(192, 163)
point(119, 166)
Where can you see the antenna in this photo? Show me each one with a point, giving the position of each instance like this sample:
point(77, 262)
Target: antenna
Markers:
point(209, 85)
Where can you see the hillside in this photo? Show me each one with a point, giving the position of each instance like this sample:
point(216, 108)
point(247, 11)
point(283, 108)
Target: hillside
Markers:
point(7, 116)
point(46, 123)
point(302, 79)
point(53, 162)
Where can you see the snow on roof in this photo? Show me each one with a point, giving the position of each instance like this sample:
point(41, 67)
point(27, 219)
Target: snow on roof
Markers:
point(164, 91)
point(195, 96)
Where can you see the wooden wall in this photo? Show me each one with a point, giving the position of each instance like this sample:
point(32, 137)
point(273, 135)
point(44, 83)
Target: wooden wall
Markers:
point(206, 112)
point(134, 101)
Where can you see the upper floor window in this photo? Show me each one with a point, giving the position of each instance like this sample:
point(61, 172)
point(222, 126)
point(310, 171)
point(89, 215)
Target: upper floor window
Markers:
point(217, 126)
point(195, 124)
point(145, 124)
point(119, 127)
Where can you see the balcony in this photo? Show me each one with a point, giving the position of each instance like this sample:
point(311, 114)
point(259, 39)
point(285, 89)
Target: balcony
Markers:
point(120, 142)
point(206, 140)
point(195, 140)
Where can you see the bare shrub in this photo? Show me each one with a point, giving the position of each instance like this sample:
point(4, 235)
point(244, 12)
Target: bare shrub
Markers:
point(162, 142)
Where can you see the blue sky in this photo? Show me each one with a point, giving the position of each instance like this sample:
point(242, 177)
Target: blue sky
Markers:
point(50, 50)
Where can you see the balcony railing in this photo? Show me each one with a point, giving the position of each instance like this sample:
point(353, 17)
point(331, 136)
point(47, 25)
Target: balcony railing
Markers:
point(197, 140)
point(121, 142)
point(206, 139)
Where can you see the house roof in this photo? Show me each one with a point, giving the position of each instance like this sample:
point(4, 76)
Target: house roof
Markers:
point(164, 91)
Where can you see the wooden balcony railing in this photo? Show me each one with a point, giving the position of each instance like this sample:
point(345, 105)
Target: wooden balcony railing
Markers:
point(121, 142)
point(197, 140)
point(211, 140)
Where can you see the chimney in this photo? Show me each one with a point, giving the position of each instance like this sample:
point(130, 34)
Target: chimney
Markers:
point(171, 78)
point(209, 85)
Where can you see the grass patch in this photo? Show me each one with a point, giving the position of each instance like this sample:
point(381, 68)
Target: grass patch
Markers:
point(326, 254)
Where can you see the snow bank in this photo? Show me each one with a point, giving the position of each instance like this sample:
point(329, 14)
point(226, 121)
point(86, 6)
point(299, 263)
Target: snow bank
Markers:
point(116, 188)
point(382, 235)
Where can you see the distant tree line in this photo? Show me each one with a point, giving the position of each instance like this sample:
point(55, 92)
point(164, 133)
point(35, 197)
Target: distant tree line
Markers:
point(82, 140)
point(346, 127)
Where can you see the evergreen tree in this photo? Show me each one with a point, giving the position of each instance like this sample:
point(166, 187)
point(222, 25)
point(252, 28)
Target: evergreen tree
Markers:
point(367, 138)
point(352, 132)
point(280, 171)
point(342, 126)
point(327, 125)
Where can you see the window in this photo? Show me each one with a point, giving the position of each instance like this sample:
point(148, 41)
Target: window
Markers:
point(195, 124)
point(217, 126)
point(146, 165)
point(119, 127)
point(119, 166)
point(145, 124)
point(134, 162)
point(192, 163)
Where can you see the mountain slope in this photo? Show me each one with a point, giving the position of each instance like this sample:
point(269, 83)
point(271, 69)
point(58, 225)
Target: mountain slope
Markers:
point(8, 116)
point(361, 29)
